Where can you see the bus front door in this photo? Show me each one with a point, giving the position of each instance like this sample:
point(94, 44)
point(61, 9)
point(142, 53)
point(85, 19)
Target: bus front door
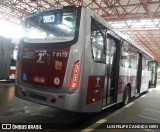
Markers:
point(112, 70)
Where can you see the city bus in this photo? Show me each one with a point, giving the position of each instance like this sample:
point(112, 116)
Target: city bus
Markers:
point(72, 59)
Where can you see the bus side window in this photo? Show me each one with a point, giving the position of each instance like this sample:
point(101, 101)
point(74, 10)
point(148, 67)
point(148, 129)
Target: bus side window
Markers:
point(98, 41)
point(133, 57)
point(97, 47)
point(144, 63)
point(125, 55)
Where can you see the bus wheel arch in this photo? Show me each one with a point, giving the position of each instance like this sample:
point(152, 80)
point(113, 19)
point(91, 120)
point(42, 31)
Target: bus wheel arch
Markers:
point(126, 95)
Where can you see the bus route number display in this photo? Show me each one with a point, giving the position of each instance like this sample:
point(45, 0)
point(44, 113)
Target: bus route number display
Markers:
point(48, 19)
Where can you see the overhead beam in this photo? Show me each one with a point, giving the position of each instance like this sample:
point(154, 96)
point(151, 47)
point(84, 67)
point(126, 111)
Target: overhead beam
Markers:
point(131, 5)
point(145, 7)
point(131, 17)
point(143, 40)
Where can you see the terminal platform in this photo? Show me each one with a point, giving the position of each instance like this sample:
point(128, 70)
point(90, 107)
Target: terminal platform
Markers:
point(143, 113)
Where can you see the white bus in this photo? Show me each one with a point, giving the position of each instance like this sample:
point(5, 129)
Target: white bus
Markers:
point(72, 59)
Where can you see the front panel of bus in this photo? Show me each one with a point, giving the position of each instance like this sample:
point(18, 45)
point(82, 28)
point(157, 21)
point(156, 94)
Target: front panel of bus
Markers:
point(49, 58)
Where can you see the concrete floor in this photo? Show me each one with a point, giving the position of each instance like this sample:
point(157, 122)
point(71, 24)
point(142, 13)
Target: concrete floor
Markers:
point(15, 110)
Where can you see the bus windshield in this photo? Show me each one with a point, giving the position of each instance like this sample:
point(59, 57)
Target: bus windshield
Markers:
point(50, 26)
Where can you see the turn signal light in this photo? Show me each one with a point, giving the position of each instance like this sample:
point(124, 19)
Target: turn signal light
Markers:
point(74, 75)
point(93, 99)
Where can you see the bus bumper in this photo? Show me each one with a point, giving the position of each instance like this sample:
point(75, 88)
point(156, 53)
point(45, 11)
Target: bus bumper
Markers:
point(64, 101)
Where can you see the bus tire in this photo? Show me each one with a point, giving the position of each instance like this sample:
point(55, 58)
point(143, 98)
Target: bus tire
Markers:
point(126, 96)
